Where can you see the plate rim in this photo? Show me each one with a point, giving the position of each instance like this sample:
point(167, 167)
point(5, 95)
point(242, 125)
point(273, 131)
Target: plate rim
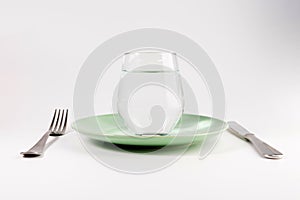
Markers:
point(224, 128)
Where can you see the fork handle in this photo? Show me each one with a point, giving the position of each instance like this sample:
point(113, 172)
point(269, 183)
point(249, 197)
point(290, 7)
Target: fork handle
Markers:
point(39, 147)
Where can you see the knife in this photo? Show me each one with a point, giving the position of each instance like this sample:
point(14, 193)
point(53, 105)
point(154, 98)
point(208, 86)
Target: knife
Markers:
point(261, 147)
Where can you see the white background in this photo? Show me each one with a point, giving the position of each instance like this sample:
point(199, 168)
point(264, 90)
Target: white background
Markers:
point(255, 46)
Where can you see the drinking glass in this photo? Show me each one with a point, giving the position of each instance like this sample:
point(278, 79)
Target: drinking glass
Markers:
point(150, 96)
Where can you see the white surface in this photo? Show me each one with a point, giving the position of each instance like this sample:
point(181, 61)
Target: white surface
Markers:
point(254, 44)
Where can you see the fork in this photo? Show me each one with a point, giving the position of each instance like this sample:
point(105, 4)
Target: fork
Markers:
point(57, 128)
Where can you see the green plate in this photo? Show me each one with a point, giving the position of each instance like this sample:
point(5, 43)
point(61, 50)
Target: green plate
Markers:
point(189, 130)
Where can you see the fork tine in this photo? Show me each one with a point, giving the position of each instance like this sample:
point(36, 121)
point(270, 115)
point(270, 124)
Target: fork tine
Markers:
point(65, 123)
point(61, 120)
point(53, 119)
point(57, 120)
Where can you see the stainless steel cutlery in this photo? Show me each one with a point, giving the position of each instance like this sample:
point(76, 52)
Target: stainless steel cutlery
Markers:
point(57, 128)
point(59, 124)
point(262, 148)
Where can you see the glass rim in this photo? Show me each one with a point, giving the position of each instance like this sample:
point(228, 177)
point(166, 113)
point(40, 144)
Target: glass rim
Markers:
point(150, 51)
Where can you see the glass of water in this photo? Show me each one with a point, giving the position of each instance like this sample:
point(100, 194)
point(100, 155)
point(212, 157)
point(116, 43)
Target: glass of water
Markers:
point(150, 96)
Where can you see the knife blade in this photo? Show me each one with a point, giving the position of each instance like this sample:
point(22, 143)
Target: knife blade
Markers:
point(261, 147)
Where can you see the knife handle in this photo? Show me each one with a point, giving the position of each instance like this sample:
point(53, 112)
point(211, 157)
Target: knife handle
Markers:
point(262, 148)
